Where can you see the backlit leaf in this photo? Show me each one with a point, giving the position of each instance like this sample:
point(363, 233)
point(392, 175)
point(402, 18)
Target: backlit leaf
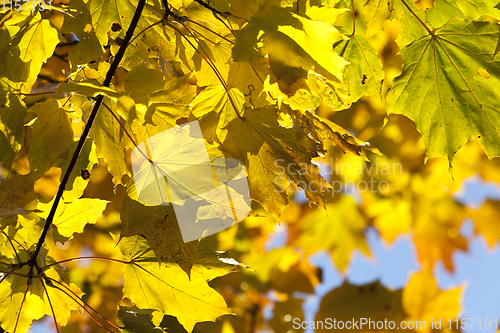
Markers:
point(448, 88)
point(339, 230)
point(52, 136)
point(273, 156)
point(486, 221)
point(76, 215)
point(15, 193)
point(353, 303)
point(431, 304)
point(166, 287)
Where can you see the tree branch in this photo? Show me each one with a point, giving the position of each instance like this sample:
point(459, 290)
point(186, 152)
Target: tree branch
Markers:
point(86, 131)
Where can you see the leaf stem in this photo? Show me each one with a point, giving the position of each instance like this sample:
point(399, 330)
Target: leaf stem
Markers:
point(353, 19)
point(127, 133)
point(418, 18)
point(144, 30)
point(86, 258)
point(86, 131)
point(207, 28)
point(71, 294)
point(51, 307)
point(209, 62)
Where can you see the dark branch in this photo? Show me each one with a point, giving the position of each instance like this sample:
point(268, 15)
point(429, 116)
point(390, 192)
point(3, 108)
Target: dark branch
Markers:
point(88, 126)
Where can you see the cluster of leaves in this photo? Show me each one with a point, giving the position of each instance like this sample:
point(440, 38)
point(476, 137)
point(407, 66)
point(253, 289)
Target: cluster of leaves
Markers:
point(266, 80)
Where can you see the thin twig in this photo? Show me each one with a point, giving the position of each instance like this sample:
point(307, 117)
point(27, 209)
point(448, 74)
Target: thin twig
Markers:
point(418, 18)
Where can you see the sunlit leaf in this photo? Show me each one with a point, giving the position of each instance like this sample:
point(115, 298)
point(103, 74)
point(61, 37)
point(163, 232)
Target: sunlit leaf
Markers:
point(486, 221)
point(76, 215)
point(273, 156)
point(339, 230)
point(52, 136)
point(432, 303)
point(448, 88)
point(167, 288)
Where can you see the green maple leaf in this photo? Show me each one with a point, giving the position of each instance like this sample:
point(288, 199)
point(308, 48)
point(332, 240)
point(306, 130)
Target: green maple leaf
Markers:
point(167, 289)
point(376, 12)
point(411, 29)
point(449, 87)
point(364, 74)
point(446, 9)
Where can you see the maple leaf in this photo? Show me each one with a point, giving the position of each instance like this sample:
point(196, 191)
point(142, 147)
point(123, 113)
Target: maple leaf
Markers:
point(141, 82)
point(355, 303)
point(455, 94)
point(431, 303)
point(339, 230)
point(174, 185)
point(165, 108)
point(376, 12)
point(105, 13)
point(227, 106)
point(15, 193)
point(12, 114)
point(444, 10)
point(22, 302)
point(163, 234)
point(364, 75)
point(33, 42)
point(76, 215)
point(273, 156)
point(264, 79)
point(167, 289)
point(52, 132)
point(307, 43)
point(486, 220)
